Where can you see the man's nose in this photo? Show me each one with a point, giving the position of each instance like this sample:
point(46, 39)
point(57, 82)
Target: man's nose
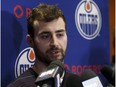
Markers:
point(53, 41)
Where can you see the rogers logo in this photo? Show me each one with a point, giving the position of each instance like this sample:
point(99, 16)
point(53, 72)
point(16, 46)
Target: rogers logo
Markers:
point(25, 59)
point(19, 11)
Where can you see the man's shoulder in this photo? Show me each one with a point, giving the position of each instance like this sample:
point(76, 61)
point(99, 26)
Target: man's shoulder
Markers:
point(28, 73)
point(67, 75)
point(27, 78)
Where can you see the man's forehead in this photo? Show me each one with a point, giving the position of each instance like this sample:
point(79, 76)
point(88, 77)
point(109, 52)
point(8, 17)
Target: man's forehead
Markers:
point(40, 27)
point(59, 20)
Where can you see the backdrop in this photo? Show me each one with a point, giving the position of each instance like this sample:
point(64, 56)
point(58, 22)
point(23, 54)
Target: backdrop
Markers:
point(87, 29)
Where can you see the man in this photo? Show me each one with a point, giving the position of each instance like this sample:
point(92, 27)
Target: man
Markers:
point(47, 36)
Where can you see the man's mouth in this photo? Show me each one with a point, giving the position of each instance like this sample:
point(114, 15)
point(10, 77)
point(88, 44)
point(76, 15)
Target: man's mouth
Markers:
point(55, 53)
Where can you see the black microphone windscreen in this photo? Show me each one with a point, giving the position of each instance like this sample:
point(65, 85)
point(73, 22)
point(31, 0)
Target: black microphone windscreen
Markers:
point(50, 76)
point(87, 74)
point(57, 63)
point(108, 74)
point(73, 81)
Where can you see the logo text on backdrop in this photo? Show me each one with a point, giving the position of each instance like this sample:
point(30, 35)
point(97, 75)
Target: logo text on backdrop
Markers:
point(88, 19)
point(25, 59)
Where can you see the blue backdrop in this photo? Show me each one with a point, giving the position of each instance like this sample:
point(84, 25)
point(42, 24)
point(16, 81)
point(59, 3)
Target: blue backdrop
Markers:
point(86, 48)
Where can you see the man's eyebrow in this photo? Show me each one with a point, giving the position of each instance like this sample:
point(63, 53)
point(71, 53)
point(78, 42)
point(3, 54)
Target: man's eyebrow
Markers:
point(61, 30)
point(48, 32)
point(45, 32)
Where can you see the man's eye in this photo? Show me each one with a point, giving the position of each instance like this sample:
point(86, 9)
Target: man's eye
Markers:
point(45, 36)
point(60, 35)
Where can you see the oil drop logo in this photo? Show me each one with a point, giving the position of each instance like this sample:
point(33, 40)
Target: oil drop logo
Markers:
point(25, 59)
point(88, 19)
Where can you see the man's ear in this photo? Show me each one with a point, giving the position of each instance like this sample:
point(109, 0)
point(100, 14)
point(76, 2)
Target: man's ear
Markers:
point(29, 40)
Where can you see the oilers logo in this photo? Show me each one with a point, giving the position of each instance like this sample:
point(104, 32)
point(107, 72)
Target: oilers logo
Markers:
point(88, 19)
point(24, 60)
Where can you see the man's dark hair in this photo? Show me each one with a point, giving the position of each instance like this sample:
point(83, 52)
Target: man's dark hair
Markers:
point(45, 13)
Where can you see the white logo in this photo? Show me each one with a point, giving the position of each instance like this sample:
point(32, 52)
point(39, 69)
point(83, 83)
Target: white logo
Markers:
point(88, 19)
point(24, 60)
point(49, 72)
point(93, 82)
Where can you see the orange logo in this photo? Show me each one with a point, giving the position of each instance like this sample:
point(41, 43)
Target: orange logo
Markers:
point(25, 60)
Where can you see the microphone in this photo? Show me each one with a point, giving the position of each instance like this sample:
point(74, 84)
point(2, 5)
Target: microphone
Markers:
point(73, 81)
point(90, 79)
point(109, 74)
point(52, 76)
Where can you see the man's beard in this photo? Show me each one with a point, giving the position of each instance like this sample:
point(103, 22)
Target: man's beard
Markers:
point(45, 58)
